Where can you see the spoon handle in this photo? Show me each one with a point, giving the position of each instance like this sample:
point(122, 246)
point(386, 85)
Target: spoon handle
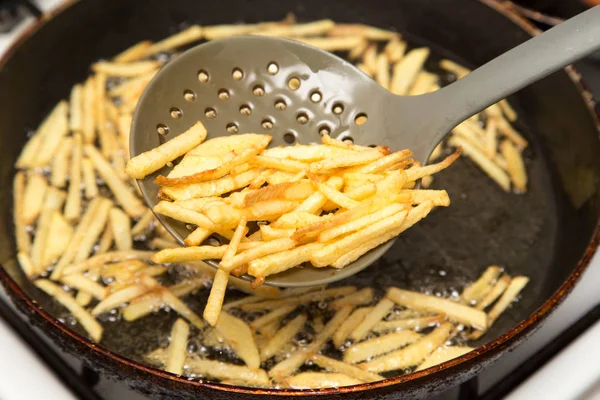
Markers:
point(521, 66)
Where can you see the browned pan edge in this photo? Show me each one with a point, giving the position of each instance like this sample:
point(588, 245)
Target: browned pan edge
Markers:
point(508, 340)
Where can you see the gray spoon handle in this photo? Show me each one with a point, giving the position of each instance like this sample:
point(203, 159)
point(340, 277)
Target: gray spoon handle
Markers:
point(521, 66)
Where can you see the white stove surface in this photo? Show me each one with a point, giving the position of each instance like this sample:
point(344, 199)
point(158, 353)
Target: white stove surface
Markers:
point(24, 376)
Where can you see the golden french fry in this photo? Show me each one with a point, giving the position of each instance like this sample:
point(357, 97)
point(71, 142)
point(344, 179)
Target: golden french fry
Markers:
point(438, 197)
point(382, 74)
point(370, 59)
point(133, 53)
point(211, 188)
point(412, 354)
point(377, 314)
point(507, 130)
point(346, 328)
point(337, 197)
point(408, 323)
point(282, 337)
point(180, 308)
point(453, 310)
point(365, 69)
point(382, 163)
point(278, 262)
point(243, 300)
point(358, 158)
point(121, 228)
point(52, 202)
point(264, 249)
point(295, 220)
point(176, 353)
point(317, 380)
point(33, 197)
point(414, 173)
point(443, 354)
point(93, 231)
point(105, 258)
point(58, 239)
point(424, 83)
point(406, 70)
point(172, 210)
point(336, 366)
point(495, 293)
point(357, 51)
point(89, 123)
point(224, 31)
point(76, 108)
point(269, 234)
point(477, 290)
point(89, 179)
point(86, 284)
point(185, 37)
point(73, 205)
point(60, 164)
point(515, 165)
point(53, 129)
point(395, 50)
point(119, 297)
point(272, 316)
point(280, 164)
point(143, 224)
point(26, 264)
point(178, 255)
point(146, 163)
point(130, 69)
point(123, 194)
point(366, 31)
point(92, 327)
point(479, 158)
point(289, 191)
point(508, 111)
point(317, 200)
point(132, 87)
point(215, 299)
point(332, 43)
point(379, 345)
point(239, 335)
point(328, 254)
point(363, 296)
point(221, 370)
point(28, 154)
point(299, 30)
point(288, 366)
point(198, 236)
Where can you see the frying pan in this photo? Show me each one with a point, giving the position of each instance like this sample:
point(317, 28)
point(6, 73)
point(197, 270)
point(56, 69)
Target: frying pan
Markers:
point(548, 234)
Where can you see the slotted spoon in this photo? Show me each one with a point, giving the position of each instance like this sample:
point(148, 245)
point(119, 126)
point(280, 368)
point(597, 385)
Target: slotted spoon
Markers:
point(295, 92)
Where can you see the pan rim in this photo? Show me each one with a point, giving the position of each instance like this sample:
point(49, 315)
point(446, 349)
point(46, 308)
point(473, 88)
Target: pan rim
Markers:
point(507, 340)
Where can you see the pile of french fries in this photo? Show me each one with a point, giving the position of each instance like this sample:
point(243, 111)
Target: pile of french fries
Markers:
point(325, 204)
point(81, 225)
point(371, 335)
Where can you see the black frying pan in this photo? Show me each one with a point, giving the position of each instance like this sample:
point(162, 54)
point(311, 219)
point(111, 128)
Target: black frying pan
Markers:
point(548, 234)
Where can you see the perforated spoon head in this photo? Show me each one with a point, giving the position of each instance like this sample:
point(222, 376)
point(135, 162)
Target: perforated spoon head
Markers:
point(255, 84)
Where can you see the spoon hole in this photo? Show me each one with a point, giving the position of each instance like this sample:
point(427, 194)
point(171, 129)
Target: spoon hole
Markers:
point(338, 108)
point(324, 130)
point(272, 68)
point(213, 241)
point(237, 74)
point(267, 124)
point(189, 95)
point(224, 94)
point(280, 105)
point(210, 113)
point(294, 83)
point(232, 128)
point(361, 119)
point(162, 129)
point(203, 76)
point(245, 109)
point(316, 96)
point(289, 137)
point(258, 90)
point(176, 113)
point(302, 118)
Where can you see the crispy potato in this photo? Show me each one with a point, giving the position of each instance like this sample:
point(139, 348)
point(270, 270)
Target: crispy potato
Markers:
point(299, 30)
point(89, 117)
point(332, 43)
point(60, 163)
point(26, 264)
point(477, 290)
point(453, 310)
point(52, 202)
point(119, 297)
point(272, 316)
point(412, 354)
point(424, 83)
point(379, 345)
point(282, 337)
point(101, 259)
point(280, 164)
point(360, 223)
point(317, 380)
point(211, 188)
point(133, 53)
point(179, 306)
point(370, 59)
point(383, 163)
point(185, 215)
point(308, 152)
point(295, 220)
point(93, 231)
point(278, 262)
point(148, 162)
point(239, 335)
point(336, 196)
point(52, 130)
point(414, 173)
point(86, 284)
point(395, 50)
point(198, 236)
point(507, 130)
point(317, 200)
point(33, 197)
point(382, 74)
point(221, 370)
point(176, 353)
point(120, 225)
point(495, 293)
point(508, 111)
point(289, 191)
point(288, 366)
point(408, 323)
point(363, 296)
point(377, 314)
point(515, 165)
point(262, 250)
point(359, 158)
point(443, 354)
point(348, 326)
point(342, 367)
point(178, 255)
point(130, 69)
point(406, 70)
point(58, 239)
point(91, 326)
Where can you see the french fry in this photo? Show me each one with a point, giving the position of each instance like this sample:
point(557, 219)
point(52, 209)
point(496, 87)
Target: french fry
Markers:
point(317, 380)
point(243, 300)
point(119, 297)
point(365, 69)
point(360, 223)
point(479, 158)
point(357, 51)
point(379, 345)
point(180, 308)
point(76, 109)
point(143, 224)
point(383, 163)
point(477, 290)
point(185, 37)
point(359, 158)
point(212, 188)
point(146, 163)
point(120, 225)
point(126, 70)
point(377, 314)
point(89, 123)
point(453, 310)
point(412, 354)
point(414, 197)
point(282, 337)
point(26, 264)
point(491, 139)
point(443, 354)
point(33, 197)
point(272, 316)
point(333, 365)
point(239, 335)
point(363, 296)
point(221, 370)
point(27, 157)
point(54, 128)
point(179, 255)
point(176, 352)
point(215, 299)
point(328, 254)
point(370, 59)
point(224, 31)
point(198, 236)
point(288, 366)
point(515, 165)
point(60, 164)
point(93, 231)
point(424, 82)
point(299, 30)
point(317, 200)
point(507, 110)
point(336, 196)
point(89, 179)
point(174, 211)
point(105, 258)
point(495, 293)
point(92, 327)
point(58, 239)
point(406, 70)
point(133, 53)
point(53, 201)
point(408, 323)
point(395, 50)
point(346, 328)
point(382, 74)
point(83, 283)
point(366, 31)
point(414, 173)
point(278, 262)
point(295, 220)
point(73, 205)
point(291, 191)
point(508, 296)
point(507, 130)
point(123, 195)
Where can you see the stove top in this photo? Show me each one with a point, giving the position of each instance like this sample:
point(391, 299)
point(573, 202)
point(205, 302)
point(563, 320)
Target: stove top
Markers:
point(571, 332)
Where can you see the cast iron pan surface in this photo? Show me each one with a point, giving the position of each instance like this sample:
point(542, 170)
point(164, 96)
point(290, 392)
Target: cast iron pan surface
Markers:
point(542, 234)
